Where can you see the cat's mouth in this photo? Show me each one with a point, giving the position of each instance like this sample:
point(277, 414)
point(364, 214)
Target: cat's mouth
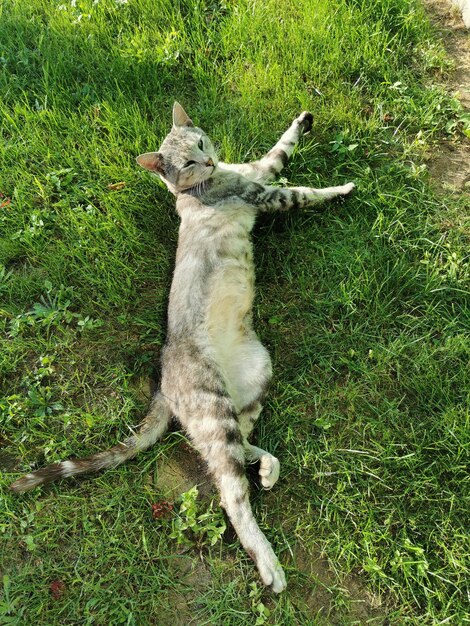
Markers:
point(211, 164)
point(210, 169)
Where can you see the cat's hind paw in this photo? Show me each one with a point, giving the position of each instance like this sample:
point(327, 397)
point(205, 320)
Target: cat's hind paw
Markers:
point(269, 469)
point(271, 573)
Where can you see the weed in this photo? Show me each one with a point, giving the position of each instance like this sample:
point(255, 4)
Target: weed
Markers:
point(193, 527)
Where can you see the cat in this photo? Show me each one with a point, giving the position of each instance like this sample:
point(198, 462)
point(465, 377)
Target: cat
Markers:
point(215, 371)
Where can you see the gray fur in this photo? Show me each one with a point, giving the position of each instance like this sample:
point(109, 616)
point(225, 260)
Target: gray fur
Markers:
point(215, 371)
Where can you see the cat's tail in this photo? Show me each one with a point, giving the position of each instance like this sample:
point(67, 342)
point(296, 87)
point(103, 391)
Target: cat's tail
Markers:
point(152, 428)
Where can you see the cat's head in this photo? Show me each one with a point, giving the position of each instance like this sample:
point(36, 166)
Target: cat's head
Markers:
point(186, 156)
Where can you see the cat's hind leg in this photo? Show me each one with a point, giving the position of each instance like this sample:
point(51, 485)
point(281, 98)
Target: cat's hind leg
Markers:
point(215, 432)
point(269, 466)
point(248, 376)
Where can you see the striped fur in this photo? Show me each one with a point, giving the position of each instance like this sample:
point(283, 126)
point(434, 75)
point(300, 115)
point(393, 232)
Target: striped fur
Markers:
point(215, 371)
point(152, 428)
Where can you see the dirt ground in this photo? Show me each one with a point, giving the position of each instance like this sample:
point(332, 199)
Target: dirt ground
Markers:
point(450, 167)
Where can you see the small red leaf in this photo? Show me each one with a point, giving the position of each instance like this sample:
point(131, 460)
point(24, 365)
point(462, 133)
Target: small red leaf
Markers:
point(57, 589)
point(161, 509)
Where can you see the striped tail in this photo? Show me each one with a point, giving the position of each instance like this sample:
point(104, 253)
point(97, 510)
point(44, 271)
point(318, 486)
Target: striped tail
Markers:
point(152, 428)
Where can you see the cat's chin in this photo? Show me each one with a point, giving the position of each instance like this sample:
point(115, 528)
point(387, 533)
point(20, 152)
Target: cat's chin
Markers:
point(199, 183)
point(176, 190)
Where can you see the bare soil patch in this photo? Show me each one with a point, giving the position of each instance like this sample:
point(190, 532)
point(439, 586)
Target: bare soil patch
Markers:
point(450, 167)
point(182, 470)
point(360, 606)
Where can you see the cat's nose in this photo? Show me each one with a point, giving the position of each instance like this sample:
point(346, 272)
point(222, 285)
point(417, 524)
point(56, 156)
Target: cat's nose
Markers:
point(210, 163)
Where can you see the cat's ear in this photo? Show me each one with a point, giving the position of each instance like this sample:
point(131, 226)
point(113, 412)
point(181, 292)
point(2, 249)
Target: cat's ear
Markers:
point(180, 117)
point(152, 161)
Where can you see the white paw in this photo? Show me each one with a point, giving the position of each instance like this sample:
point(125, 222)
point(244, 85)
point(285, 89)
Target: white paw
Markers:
point(269, 468)
point(345, 189)
point(271, 572)
point(279, 579)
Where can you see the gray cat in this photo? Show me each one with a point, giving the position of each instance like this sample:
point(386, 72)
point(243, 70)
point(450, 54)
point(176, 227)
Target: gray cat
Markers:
point(215, 371)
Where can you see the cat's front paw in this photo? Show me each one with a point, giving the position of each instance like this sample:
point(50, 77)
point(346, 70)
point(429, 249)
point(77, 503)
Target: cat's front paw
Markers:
point(346, 189)
point(305, 121)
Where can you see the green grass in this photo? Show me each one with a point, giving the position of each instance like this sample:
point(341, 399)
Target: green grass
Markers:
point(363, 305)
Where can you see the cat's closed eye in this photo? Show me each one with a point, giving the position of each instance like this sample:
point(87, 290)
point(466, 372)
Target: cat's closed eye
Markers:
point(200, 144)
point(189, 163)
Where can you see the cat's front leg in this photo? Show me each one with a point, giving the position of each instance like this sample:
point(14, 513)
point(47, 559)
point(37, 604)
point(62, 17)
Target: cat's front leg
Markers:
point(266, 198)
point(273, 162)
point(270, 165)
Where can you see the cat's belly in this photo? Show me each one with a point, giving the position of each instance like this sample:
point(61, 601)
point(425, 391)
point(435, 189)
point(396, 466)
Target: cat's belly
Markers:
point(242, 360)
point(229, 304)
